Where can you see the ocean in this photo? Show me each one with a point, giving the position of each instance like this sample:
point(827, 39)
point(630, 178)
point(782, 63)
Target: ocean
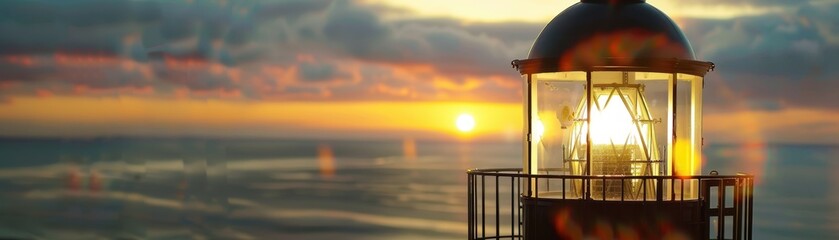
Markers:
point(109, 188)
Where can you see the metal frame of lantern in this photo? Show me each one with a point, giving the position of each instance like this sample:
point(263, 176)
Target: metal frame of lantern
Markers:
point(670, 65)
point(584, 166)
point(612, 138)
point(541, 199)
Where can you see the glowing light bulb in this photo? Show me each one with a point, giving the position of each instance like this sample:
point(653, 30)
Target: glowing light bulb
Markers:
point(620, 145)
point(611, 124)
point(620, 133)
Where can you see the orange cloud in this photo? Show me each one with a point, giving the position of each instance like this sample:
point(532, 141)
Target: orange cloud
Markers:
point(21, 60)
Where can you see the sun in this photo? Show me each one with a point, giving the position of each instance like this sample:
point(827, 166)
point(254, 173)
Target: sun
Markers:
point(465, 122)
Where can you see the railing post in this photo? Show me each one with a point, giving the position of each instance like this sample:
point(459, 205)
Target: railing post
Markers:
point(741, 211)
point(497, 208)
point(483, 207)
point(720, 208)
point(519, 206)
point(474, 226)
point(704, 195)
point(469, 203)
point(673, 189)
point(659, 189)
point(750, 205)
point(512, 208)
point(603, 187)
point(737, 209)
point(563, 188)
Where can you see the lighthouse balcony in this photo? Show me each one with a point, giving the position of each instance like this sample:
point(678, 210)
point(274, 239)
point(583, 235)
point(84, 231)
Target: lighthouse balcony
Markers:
point(509, 204)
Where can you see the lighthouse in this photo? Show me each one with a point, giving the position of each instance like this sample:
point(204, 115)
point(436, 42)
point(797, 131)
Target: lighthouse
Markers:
point(612, 138)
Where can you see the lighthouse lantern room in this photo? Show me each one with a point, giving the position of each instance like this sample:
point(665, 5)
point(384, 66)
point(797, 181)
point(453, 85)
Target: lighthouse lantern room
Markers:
point(612, 137)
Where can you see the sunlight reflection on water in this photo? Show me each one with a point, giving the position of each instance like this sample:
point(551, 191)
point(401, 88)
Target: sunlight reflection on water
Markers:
point(315, 189)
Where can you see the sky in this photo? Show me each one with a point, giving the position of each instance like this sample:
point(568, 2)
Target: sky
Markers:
point(373, 69)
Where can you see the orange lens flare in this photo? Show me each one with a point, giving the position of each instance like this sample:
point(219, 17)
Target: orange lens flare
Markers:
point(409, 149)
point(326, 161)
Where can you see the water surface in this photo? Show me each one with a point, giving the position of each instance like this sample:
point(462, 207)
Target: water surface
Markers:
point(306, 189)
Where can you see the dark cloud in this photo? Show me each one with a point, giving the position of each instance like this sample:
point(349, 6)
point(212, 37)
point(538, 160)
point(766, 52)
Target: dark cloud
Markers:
point(50, 38)
point(16, 73)
point(247, 35)
point(771, 61)
point(507, 32)
point(82, 13)
point(196, 79)
point(752, 3)
point(449, 46)
point(319, 72)
point(357, 30)
point(239, 34)
point(511, 33)
point(289, 9)
point(346, 50)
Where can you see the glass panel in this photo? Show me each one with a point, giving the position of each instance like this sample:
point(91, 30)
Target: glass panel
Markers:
point(526, 125)
point(631, 126)
point(624, 138)
point(558, 99)
point(655, 90)
point(688, 146)
point(682, 150)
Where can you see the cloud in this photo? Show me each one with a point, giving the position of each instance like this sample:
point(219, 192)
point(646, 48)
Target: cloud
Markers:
point(357, 30)
point(79, 12)
point(451, 47)
point(756, 3)
point(770, 61)
point(314, 72)
point(70, 26)
point(289, 9)
point(351, 50)
point(216, 47)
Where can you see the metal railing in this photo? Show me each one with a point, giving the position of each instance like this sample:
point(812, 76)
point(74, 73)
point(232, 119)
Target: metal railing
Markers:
point(495, 197)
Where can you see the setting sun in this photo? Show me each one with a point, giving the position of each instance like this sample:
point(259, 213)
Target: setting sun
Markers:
point(465, 122)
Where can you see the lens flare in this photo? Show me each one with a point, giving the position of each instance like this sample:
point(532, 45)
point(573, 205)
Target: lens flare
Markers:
point(326, 161)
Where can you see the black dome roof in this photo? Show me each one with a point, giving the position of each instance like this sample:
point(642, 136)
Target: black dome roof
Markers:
point(609, 33)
